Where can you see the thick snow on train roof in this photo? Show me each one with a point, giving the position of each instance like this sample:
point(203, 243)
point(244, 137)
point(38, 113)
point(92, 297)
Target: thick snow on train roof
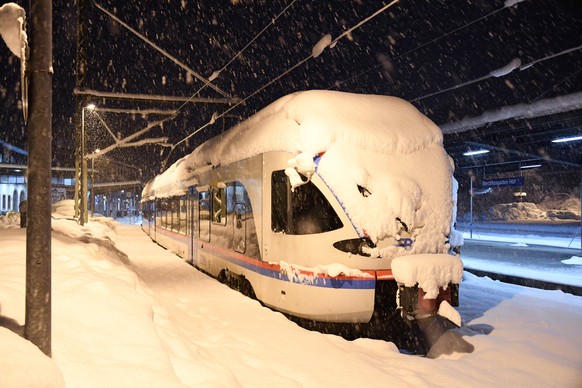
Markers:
point(381, 143)
point(311, 121)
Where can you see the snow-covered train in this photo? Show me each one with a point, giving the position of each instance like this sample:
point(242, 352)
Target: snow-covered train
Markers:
point(324, 205)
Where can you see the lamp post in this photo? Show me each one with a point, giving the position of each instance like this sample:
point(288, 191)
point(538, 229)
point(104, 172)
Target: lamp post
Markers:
point(84, 216)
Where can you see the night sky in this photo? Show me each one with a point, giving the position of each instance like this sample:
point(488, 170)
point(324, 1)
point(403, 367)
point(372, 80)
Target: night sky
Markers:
point(410, 50)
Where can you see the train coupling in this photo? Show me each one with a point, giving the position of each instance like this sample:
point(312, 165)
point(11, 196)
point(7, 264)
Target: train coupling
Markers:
point(438, 334)
point(415, 305)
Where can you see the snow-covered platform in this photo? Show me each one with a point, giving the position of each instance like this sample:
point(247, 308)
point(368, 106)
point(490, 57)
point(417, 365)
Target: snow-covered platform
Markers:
point(127, 312)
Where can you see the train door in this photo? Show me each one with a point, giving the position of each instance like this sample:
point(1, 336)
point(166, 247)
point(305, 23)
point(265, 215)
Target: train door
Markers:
point(156, 215)
point(151, 217)
point(191, 217)
point(240, 228)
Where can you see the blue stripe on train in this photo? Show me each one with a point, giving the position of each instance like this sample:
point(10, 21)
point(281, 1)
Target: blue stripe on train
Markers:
point(320, 280)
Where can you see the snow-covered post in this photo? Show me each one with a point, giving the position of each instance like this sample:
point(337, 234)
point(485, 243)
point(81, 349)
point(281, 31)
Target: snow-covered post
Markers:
point(37, 326)
point(81, 102)
point(84, 214)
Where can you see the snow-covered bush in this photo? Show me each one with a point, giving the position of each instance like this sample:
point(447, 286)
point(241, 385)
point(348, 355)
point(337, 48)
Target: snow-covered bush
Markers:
point(527, 211)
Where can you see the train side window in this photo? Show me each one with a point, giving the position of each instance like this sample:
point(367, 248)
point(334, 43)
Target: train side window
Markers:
point(204, 215)
point(302, 211)
point(174, 222)
point(242, 221)
point(219, 206)
point(164, 213)
point(158, 215)
point(239, 231)
point(182, 213)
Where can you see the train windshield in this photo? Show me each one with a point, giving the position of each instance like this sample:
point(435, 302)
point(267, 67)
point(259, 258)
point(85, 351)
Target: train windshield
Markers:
point(305, 210)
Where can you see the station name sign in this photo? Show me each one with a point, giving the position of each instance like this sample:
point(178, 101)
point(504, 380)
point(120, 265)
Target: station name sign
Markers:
point(499, 182)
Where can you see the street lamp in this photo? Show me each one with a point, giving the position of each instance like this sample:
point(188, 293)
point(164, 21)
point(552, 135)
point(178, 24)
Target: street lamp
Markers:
point(84, 216)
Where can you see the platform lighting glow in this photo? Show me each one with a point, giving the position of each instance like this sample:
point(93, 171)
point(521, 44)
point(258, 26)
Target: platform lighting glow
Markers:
point(476, 152)
point(90, 106)
point(530, 166)
point(566, 139)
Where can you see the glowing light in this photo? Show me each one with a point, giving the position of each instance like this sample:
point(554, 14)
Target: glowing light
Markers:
point(530, 166)
point(476, 152)
point(566, 139)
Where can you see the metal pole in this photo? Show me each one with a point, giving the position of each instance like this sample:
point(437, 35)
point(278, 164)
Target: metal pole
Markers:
point(83, 10)
point(471, 208)
point(93, 187)
point(83, 207)
point(37, 325)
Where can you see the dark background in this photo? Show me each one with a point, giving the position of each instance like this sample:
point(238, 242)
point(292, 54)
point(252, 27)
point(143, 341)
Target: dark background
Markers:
point(410, 50)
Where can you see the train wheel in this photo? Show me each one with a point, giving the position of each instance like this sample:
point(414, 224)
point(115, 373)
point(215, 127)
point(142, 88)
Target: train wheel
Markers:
point(237, 282)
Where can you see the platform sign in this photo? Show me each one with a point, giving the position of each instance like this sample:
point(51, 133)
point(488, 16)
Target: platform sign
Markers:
point(499, 182)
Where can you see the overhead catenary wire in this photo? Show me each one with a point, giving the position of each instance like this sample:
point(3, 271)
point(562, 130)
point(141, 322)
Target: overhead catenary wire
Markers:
point(277, 78)
point(164, 52)
point(567, 51)
point(257, 36)
point(562, 81)
point(507, 4)
point(499, 72)
point(217, 73)
point(207, 82)
point(106, 127)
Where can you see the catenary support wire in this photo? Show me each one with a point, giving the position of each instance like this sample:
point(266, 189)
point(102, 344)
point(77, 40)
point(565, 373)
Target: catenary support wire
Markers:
point(343, 35)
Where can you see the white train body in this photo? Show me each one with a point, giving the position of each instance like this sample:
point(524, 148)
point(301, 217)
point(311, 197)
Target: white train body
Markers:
point(309, 201)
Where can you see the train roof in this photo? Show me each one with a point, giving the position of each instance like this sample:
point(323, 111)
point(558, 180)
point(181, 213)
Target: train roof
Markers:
point(308, 122)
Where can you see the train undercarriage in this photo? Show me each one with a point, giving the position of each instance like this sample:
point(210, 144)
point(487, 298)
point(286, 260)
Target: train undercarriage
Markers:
point(412, 323)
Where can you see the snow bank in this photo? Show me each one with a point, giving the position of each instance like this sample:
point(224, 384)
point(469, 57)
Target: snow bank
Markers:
point(24, 365)
point(161, 323)
point(429, 271)
point(64, 208)
point(10, 220)
point(516, 211)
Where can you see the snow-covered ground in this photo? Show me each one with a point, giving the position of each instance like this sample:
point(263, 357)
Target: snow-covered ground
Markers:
point(128, 313)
